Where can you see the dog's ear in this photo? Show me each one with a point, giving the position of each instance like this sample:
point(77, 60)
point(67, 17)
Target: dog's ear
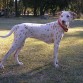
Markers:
point(59, 13)
point(73, 14)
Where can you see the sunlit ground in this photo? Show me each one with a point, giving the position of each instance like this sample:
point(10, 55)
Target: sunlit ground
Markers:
point(37, 57)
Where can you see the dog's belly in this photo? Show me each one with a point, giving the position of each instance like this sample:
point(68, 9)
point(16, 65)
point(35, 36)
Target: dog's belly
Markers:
point(42, 32)
point(44, 37)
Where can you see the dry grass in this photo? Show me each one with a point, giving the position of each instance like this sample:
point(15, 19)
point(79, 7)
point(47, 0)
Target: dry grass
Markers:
point(37, 57)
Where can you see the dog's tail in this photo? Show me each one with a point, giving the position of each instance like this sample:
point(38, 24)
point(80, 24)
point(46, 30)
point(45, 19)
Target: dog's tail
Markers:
point(11, 31)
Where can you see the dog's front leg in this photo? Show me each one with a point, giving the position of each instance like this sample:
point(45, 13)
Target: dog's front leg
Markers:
point(56, 46)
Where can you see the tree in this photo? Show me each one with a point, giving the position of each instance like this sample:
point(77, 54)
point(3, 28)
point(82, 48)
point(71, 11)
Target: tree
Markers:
point(25, 4)
point(1, 4)
point(39, 7)
point(52, 4)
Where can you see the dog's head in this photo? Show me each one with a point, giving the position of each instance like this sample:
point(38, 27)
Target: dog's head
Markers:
point(65, 17)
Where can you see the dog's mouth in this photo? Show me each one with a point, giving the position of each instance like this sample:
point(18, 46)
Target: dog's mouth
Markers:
point(64, 24)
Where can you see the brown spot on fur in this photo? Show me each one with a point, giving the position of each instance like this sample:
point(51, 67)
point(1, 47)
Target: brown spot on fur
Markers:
point(52, 35)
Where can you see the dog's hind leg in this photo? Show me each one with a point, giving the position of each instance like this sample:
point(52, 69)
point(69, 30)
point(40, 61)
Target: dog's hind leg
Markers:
point(15, 46)
point(12, 49)
point(16, 56)
point(17, 52)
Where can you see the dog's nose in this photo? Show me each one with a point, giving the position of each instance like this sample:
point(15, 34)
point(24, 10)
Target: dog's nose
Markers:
point(63, 21)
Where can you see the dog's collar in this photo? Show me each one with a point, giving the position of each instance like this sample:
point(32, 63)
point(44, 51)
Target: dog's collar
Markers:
point(62, 26)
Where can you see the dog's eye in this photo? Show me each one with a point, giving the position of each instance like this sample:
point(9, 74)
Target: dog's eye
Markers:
point(67, 16)
point(61, 15)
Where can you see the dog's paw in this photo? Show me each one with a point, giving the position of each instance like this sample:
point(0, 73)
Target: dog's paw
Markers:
point(20, 63)
point(1, 66)
point(56, 65)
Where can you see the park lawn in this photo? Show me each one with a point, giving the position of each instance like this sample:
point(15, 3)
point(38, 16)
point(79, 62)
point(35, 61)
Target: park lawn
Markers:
point(37, 57)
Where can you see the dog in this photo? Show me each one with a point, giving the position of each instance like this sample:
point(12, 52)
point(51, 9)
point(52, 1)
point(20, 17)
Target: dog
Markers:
point(50, 33)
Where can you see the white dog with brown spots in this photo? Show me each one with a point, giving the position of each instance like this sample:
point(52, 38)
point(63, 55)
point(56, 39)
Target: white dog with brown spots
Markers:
point(50, 33)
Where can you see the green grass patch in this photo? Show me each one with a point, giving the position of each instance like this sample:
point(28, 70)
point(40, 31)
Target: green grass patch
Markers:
point(37, 57)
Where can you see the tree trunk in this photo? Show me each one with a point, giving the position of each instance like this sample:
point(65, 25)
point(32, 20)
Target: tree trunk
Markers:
point(16, 9)
point(41, 8)
point(35, 11)
point(25, 10)
point(35, 8)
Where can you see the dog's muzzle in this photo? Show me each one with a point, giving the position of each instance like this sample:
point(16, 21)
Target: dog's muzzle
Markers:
point(63, 25)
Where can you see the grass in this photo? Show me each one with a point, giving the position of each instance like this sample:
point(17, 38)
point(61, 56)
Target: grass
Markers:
point(37, 57)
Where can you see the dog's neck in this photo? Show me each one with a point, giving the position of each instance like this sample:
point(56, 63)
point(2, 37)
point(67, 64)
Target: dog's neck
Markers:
point(65, 28)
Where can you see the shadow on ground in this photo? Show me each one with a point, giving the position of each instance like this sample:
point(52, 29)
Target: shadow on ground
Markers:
point(47, 74)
